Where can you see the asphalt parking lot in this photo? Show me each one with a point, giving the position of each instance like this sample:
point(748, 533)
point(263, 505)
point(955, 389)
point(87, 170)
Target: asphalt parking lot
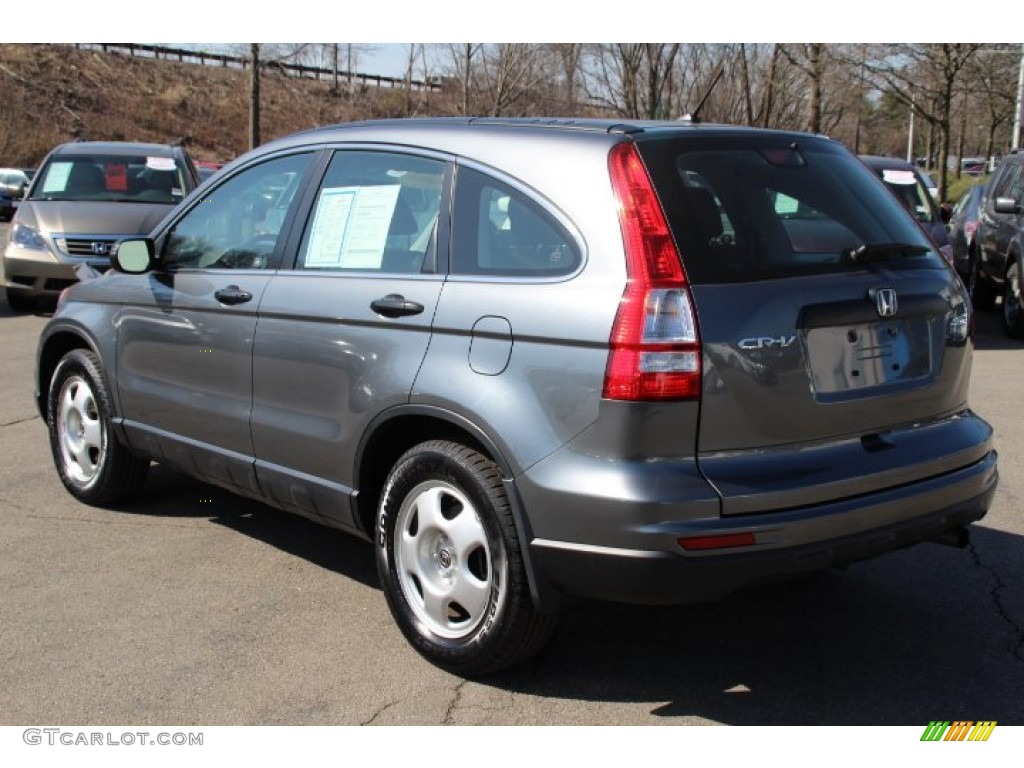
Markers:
point(194, 606)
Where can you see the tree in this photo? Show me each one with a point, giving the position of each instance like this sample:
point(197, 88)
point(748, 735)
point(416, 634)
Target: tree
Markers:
point(254, 95)
point(925, 77)
point(635, 80)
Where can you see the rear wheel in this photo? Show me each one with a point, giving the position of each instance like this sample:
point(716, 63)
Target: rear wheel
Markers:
point(983, 294)
point(1013, 316)
point(91, 463)
point(449, 560)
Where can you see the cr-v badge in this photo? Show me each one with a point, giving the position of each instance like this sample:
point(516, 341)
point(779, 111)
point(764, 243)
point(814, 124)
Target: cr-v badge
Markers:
point(766, 342)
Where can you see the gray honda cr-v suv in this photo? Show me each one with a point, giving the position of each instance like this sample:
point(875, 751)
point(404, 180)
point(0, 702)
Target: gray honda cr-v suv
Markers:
point(536, 360)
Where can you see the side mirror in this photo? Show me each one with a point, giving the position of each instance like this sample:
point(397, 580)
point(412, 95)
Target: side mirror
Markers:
point(1006, 205)
point(133, 256)
point(946, 212)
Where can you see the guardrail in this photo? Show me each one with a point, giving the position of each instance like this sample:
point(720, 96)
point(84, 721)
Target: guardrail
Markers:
point(211, 59)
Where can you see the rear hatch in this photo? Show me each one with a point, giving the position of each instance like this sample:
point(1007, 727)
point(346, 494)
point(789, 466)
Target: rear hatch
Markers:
point(834, 338)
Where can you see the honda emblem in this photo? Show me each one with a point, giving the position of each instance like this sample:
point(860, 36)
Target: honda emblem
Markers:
point(100, 249)
point(885, 301)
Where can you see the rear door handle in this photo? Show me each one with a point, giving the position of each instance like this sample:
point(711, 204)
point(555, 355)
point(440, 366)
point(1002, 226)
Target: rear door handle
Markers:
point(395, 305)
point(232, 295)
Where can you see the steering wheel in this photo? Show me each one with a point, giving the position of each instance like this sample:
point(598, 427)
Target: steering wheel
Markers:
point(252, 254)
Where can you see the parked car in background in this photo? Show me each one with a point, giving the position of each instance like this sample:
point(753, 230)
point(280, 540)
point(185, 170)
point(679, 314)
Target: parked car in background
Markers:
point(995, 265)
point(907, 184)
point(207, 168)
point(931, 184)
point(973, 166)
point(86, 197)
point(962, 228)
point(13, 183)
point(537, 360)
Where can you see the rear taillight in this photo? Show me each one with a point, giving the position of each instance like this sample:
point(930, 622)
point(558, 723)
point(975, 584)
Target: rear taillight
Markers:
point(655, 346)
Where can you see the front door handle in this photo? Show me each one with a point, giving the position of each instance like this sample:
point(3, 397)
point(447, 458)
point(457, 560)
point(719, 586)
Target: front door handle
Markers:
point(232, 295)
point(395, 305)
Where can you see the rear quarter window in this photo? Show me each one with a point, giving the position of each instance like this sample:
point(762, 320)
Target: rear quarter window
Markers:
point(500, 231)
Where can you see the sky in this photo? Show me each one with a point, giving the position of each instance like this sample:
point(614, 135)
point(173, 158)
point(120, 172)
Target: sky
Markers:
point(389, 25)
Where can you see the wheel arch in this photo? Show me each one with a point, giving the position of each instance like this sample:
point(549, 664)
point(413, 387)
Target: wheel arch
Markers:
point(51, 349)
point(397, 430)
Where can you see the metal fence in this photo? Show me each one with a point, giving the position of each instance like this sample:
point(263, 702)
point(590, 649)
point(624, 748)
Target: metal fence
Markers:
point(213, 59)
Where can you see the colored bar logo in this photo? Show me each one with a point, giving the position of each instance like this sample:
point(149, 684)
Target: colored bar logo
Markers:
point(959, 730)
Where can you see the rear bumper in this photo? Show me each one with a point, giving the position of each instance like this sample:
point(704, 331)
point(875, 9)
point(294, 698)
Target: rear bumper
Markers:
point(788, 543)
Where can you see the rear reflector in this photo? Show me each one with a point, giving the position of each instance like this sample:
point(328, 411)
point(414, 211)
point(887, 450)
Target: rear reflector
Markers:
point(655, 347)
point(726, 541)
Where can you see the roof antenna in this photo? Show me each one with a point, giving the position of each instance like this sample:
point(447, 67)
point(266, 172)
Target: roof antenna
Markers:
point(694, 117)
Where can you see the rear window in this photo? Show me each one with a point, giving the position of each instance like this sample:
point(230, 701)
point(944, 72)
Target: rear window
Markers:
point(756, 207)
point(112, 178)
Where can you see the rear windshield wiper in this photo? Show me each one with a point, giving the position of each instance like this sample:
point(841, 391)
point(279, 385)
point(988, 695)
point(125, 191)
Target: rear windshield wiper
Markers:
point(882, 251)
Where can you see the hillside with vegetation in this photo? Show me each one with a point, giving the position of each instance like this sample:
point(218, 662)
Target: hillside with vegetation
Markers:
point(947, 101)
point(50, 94)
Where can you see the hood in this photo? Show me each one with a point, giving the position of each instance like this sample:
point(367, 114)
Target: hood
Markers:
point(89, 218)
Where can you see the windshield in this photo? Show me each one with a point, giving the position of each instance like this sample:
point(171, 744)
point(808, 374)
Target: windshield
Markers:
point(111, 178)
point(747, 207)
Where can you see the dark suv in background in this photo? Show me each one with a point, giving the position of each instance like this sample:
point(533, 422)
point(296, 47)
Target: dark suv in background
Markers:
point(85, 197)
point(995, 265)
point(536, 360)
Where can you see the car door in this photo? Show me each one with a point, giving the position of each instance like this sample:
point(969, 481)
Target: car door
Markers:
point(341, 336)
point(999, 228)
point(186, 329)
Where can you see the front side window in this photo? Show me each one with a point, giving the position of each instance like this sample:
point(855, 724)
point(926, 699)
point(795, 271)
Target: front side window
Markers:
point(500, 231)
point(112, 178)
point(237, 224)
point(376, 212)
point(1001, 187)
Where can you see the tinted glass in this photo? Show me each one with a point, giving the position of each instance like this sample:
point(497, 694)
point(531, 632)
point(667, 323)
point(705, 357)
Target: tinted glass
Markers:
point(746, 207)
point(500, 231)
point(237, 224)
point(375, 211)
point(1003, 181)
point(910, 190)
point(112, 178)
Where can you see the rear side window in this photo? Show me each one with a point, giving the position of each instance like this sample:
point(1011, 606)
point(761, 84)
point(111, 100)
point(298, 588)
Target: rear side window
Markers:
point(500, 231)
point(755, 207)
point(375, 211)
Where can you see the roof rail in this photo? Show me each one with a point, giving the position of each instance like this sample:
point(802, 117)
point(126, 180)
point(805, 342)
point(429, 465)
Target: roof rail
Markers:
point(566, 123)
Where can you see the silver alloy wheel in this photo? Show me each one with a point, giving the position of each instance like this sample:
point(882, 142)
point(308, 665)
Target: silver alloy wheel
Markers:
point(80, 432)
point(444, 561)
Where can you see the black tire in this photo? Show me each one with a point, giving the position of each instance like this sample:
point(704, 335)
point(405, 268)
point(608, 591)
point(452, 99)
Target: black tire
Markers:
point(983, 293)
point(93, 465)
point(445, 531)
point(1013, 312)
point(19, 302)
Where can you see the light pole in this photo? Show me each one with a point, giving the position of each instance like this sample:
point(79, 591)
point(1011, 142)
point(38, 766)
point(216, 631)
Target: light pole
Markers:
point(1020, 98)
point(910, 136)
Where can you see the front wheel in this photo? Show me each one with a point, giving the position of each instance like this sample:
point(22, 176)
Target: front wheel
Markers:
point(449, 561)
point(91, 462)
point(1013, 316)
